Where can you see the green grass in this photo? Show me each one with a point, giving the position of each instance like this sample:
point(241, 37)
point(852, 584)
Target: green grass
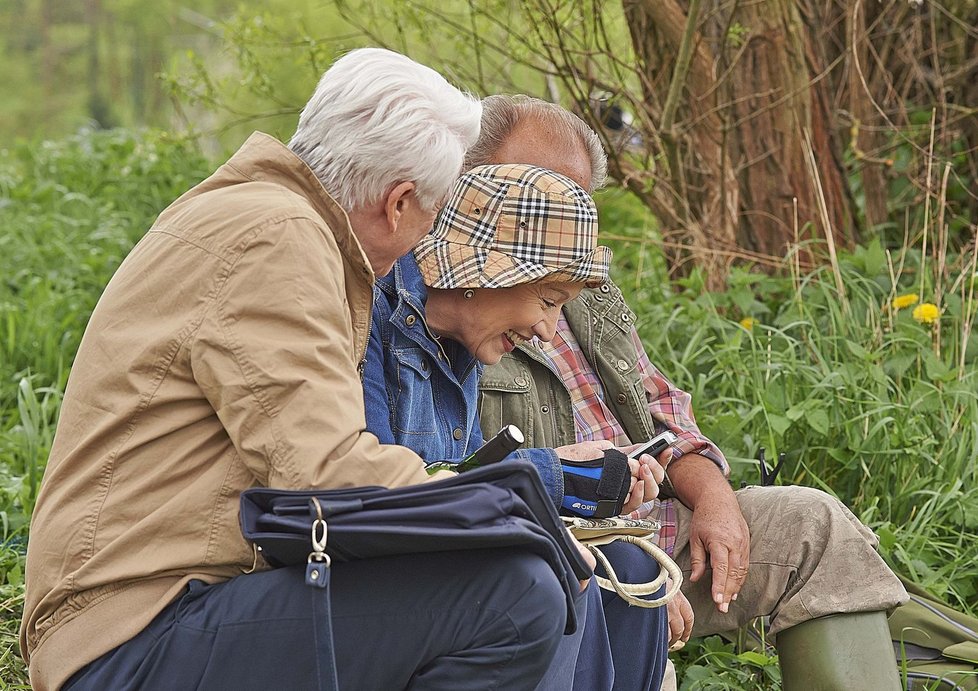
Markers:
point(857, 396)
point(70, 210)
point(866, 402)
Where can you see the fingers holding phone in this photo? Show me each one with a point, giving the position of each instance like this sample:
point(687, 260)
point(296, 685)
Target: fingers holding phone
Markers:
point(646, 476)
point(646, 468)
point(643, 486)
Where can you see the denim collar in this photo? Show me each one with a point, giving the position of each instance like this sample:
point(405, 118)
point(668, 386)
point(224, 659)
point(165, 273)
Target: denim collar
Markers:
point(404, 283)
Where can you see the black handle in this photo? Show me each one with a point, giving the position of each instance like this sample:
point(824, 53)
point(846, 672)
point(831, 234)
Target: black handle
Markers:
point(506, 441)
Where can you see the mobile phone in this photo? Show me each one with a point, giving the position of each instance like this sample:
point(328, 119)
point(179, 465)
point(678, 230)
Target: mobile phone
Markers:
point(655, 445)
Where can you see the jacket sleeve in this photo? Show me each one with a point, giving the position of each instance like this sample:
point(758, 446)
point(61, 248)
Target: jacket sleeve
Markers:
point(548, 465)
point(275, 356)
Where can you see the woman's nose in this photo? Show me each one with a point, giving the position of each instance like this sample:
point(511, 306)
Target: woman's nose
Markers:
point(546, 328)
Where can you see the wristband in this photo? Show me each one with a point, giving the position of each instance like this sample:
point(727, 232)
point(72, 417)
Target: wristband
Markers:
point(596, 488)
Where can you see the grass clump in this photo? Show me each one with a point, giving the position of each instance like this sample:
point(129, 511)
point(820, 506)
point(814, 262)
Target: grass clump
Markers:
point(862, 397)
point(70, 211)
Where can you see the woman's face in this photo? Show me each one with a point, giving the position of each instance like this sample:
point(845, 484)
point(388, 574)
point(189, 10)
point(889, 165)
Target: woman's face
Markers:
point(496, 320)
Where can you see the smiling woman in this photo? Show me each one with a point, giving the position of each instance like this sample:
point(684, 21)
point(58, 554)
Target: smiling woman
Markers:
point(490, 322)
point(510, 247)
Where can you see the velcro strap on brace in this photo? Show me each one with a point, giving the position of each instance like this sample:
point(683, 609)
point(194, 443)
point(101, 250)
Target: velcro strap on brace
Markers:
point(596, 488)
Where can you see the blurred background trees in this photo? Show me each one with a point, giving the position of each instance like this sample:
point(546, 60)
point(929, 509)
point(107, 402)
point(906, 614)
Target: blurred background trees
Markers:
point(94, 61)
point(747, 127)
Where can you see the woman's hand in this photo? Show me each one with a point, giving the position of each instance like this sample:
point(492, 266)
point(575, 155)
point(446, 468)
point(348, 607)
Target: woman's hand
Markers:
point(647, 473)
point(586, 555)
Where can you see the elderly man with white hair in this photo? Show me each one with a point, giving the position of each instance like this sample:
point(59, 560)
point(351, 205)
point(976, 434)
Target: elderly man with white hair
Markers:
point(224, 354)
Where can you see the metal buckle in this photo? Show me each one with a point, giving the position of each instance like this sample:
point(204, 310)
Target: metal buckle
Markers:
point(318, 536)
point(317, 564)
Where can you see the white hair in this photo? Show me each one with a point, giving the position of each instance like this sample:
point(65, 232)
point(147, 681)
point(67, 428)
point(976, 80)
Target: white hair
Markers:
point(376, 119)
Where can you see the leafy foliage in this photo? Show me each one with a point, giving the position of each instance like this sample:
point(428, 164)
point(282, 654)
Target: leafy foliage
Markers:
point(867, 403)
point(713, 664)
point(70, 211)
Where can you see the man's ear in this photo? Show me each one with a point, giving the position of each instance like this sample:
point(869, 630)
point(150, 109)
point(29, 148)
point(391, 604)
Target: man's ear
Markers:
point(396, 203)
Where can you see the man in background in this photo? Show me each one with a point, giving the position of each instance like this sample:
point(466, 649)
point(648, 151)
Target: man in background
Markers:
point(794, 554)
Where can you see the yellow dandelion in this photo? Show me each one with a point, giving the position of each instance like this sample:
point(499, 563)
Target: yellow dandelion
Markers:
point(902, 301)
point(926, 313)
point(748, 323)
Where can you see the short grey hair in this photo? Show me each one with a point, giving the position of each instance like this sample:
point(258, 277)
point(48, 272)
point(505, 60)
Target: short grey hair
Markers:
point(501, 115)
point(378, 118)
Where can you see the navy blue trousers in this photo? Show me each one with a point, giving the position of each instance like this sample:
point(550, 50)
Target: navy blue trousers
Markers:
point(617, 646)
point(486, 619)
point(639, 637)
point(583, 661)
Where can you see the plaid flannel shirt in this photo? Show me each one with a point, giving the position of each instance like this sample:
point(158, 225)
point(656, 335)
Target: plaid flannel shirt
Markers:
point(670, 408)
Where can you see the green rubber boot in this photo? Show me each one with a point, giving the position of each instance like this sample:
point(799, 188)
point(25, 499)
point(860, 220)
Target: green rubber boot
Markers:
point(843, 652)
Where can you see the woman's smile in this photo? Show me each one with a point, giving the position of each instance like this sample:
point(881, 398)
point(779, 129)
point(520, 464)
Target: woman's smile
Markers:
point(494, 321)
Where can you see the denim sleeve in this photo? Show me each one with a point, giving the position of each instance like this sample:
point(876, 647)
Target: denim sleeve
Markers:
point(375, 398)
point(548, 465)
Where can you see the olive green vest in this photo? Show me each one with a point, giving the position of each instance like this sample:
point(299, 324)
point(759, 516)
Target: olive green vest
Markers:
point(521, 390)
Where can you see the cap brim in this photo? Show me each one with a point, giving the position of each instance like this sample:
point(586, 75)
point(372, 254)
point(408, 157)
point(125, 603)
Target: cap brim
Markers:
point(449, 265)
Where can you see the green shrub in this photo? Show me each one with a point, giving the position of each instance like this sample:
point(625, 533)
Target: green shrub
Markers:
point(867, 402)
point(70, 211)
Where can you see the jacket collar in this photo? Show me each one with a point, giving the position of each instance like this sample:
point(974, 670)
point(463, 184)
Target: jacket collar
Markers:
point(405, 285)
point(264, 158)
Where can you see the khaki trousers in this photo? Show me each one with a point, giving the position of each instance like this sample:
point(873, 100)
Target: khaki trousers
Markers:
point(809, 557)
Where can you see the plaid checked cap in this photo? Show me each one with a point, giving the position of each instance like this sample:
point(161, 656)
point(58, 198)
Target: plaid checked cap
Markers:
point(505, 225)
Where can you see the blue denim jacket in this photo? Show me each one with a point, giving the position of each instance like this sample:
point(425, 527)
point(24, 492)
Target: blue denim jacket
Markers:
point(421, 392)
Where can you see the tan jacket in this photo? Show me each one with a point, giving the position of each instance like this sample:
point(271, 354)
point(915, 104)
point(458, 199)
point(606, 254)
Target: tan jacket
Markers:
point(223, 354)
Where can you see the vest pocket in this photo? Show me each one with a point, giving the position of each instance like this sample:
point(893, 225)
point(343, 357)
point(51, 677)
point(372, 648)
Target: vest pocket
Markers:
point(506, 403)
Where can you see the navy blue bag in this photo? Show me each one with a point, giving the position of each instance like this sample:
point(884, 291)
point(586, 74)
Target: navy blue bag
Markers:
point(500, 505)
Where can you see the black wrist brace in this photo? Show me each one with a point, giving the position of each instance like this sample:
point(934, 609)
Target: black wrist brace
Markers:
point(598, 488)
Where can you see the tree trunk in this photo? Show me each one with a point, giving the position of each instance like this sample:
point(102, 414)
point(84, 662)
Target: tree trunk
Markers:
point(867, 139)
point(778, 104)
point(696, 200)
point(743, 134)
